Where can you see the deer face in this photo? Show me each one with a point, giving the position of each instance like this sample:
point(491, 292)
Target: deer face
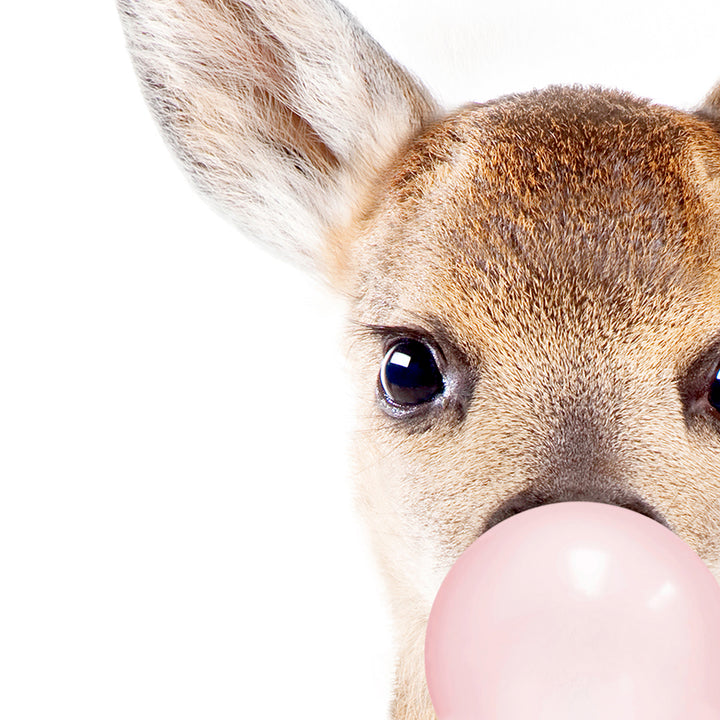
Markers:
point(551, 287)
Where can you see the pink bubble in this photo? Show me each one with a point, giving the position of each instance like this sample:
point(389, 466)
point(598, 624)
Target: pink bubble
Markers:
point(576, 611)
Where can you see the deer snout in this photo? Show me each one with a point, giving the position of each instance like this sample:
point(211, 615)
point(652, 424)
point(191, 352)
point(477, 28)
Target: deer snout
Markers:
point(535, 496)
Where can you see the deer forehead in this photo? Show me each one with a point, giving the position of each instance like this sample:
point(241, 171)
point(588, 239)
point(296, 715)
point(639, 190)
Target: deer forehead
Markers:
point(559, 219)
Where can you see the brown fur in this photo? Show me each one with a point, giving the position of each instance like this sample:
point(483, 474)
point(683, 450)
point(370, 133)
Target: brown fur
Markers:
point(559, 250)
point(565, 242)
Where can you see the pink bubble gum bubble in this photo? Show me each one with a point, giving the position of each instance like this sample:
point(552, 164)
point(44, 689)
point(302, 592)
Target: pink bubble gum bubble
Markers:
point(576, 611)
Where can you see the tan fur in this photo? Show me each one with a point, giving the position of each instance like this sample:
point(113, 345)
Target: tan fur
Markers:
point(566, 242)
point(559, 249)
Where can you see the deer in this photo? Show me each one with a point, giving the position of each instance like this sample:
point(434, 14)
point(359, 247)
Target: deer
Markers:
point(532, 283)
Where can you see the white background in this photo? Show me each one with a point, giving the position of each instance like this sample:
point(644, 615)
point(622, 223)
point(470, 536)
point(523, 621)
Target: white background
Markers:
point(177, 533)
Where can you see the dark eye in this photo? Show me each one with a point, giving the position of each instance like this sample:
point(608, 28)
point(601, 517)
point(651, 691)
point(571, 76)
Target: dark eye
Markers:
point(409, 374)
point(714, 394)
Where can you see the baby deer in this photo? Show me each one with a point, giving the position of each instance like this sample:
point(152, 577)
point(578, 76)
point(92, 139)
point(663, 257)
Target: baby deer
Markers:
point(536, 279)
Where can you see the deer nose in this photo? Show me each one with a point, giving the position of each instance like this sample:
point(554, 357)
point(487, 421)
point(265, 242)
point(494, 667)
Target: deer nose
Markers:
point(535, 497)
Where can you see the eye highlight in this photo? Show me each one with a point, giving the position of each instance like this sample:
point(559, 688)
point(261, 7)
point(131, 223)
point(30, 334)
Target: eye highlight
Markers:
point(409, 375)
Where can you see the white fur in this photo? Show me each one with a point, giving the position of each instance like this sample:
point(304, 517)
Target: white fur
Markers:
point(202, 65)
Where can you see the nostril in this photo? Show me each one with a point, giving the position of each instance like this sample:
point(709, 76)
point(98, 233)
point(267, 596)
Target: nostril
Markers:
point(529, 499)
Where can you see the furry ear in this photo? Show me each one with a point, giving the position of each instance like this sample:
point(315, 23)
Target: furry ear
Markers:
point(282, 111)
point(710, 109)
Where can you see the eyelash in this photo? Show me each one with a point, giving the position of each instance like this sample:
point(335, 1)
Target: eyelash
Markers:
point(387, 335)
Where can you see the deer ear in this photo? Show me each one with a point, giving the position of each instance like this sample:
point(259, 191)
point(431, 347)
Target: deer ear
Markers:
point(710, 108)
point(282, 111)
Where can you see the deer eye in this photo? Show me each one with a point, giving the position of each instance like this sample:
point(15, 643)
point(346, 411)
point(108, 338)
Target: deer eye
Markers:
point(714, 394)
point(409, 374)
